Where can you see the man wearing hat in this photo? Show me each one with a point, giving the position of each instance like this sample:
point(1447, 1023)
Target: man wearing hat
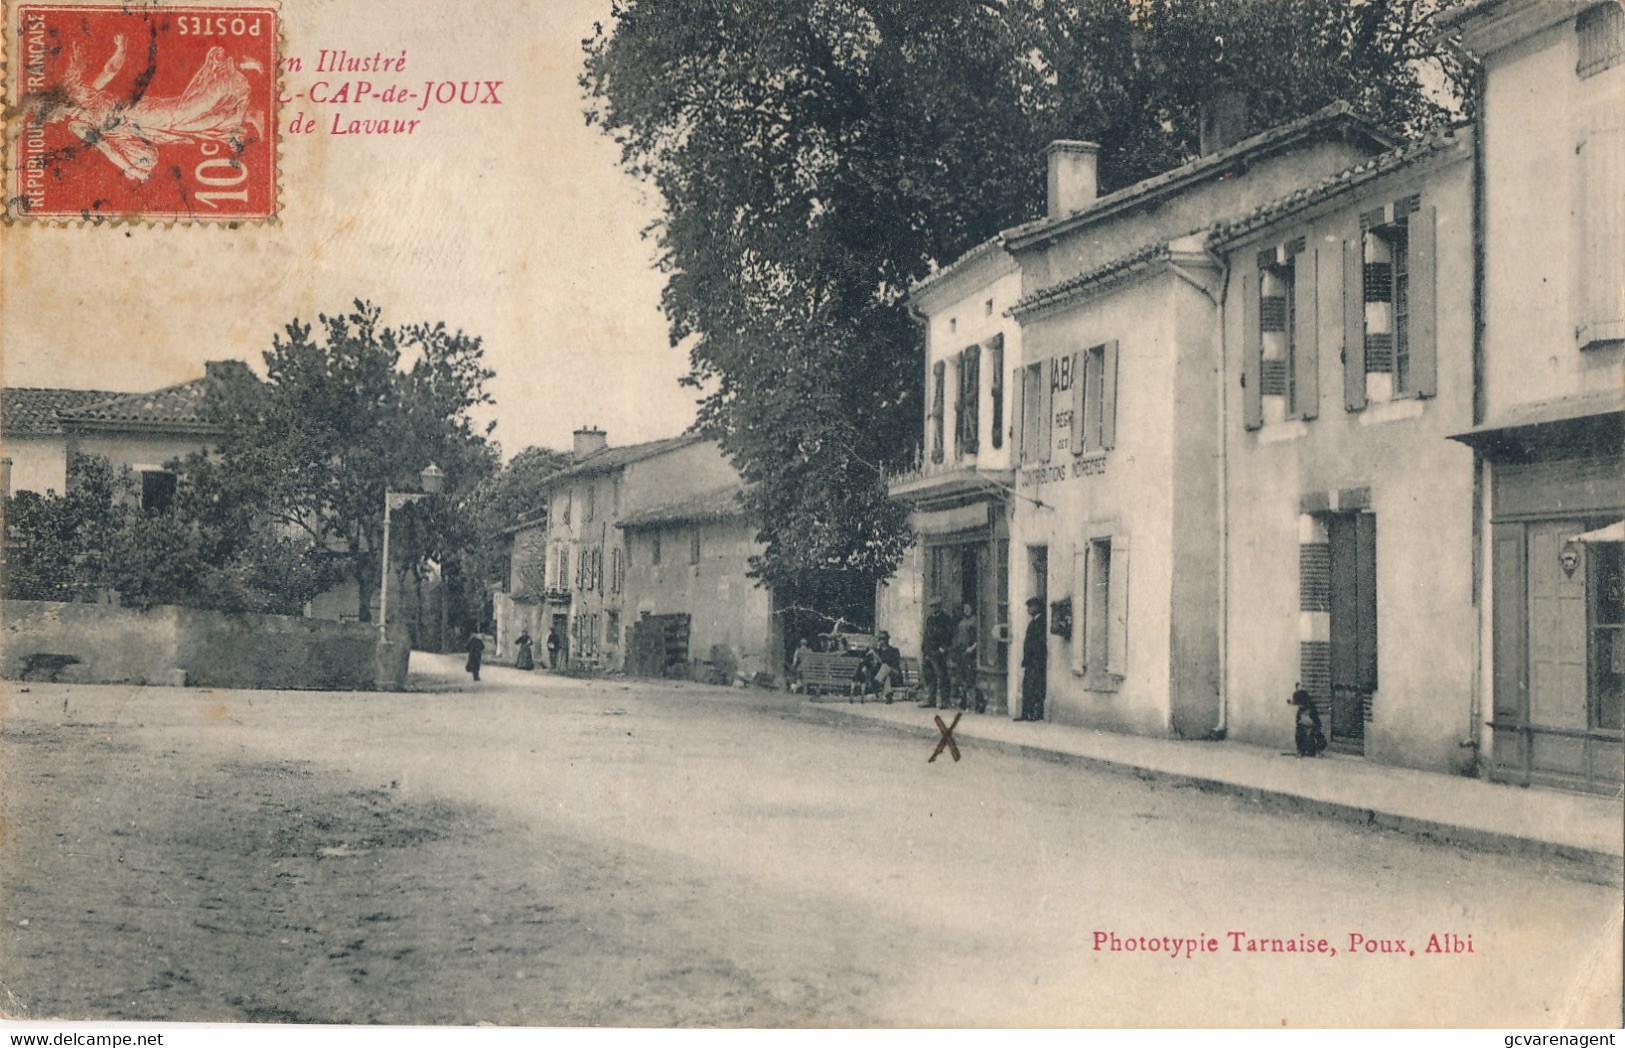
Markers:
point(1034, 662)
point(938, 637)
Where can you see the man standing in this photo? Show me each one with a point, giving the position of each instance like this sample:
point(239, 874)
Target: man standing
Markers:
point(476, 652)
point(939, 636)
point(1034, 662)
point(967, 635)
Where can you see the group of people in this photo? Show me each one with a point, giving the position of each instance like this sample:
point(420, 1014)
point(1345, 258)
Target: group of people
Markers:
point(950, 650)
point(949, 664)
point(524, 657)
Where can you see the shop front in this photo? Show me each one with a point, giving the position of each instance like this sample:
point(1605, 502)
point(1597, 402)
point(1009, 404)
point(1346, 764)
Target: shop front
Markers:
point(1557, 603)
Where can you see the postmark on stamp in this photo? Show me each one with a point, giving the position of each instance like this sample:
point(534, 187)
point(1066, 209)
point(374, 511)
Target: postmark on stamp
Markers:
point(135, 112)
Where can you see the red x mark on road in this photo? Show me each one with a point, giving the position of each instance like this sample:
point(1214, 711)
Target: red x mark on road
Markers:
point(947, 740)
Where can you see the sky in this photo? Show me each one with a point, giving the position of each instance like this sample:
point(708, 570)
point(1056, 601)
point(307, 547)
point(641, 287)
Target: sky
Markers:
point(512, 222)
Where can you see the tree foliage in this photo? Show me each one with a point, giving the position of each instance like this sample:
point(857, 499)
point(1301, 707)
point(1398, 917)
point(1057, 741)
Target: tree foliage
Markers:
point(817, 156)
point(204, 549)
point(349, 413)
point(291, 502)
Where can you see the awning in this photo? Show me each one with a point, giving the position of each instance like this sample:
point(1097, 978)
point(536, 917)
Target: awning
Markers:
point(1614, 532)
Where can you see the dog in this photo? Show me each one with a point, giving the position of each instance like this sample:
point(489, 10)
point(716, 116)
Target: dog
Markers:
point(1311, 739)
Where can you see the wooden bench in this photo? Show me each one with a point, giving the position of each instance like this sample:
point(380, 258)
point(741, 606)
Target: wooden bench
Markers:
point(832, 673)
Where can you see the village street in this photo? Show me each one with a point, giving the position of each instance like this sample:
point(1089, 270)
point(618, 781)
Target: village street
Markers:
point(539, 850)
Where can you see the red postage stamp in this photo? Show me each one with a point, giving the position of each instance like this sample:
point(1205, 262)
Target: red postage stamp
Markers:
point(155, 113)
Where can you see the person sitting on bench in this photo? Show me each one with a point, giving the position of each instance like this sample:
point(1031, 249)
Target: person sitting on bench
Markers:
point(882, 669)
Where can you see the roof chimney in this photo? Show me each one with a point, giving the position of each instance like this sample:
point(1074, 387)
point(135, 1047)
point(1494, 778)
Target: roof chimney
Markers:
point(1072, 185)
point(589, 440)
point(227, 370)
point(1224, 120)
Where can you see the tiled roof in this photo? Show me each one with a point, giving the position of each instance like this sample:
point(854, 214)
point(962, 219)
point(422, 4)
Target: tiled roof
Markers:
point(183, 407)
point(537, 519)
point(611, 459)
point(1336, 115)
point(1341, 182)
point(30, 411)
point(721, 504)
point(1123, 265)
point(987, 247)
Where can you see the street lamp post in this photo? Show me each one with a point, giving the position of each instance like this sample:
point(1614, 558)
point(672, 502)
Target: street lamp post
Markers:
point(433, 478)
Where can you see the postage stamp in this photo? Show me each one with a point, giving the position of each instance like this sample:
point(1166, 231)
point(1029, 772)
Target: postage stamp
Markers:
point(134, 112)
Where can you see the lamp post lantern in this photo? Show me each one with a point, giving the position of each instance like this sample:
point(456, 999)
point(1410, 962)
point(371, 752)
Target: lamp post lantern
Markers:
point(432, 479)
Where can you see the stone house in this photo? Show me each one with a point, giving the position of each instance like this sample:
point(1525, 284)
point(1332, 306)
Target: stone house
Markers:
point(1549, 401)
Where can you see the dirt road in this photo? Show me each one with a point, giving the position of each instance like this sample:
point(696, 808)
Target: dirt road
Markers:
point(543, 851)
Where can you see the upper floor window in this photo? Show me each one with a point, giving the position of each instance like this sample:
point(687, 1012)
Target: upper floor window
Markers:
point(1091, 379)
point(1280, 360)
point(995, 367)
point(590, 509)
point(654, 547)
point(1036, 435)
point(939, 379)
point(694, 546)
point(1602, 38)
point(1394, 322)
point(157, 490)
point(1600, 296)
point(967, 401)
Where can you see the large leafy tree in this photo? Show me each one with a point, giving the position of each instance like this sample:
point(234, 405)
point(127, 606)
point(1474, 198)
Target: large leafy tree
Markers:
point(348, 411)
point(817, 156)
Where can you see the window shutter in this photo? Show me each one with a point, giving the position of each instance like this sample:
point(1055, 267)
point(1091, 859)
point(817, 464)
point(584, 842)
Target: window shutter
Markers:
point(970, 379)
point(1306, 339)
point(1080, 386)
point(1080, 608)
point(1117, 608)
point(1602, 231)
point(1252, 355)
point(1018, 432)
point(1353, 325)
point(938, 380)
point(1509, 607)
point(995, 370)
point(1423, 336)
point(1046, 412)
point(1108, 397)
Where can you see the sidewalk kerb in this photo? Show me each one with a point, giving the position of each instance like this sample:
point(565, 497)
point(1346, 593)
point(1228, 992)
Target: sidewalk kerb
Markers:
point(1589, 864)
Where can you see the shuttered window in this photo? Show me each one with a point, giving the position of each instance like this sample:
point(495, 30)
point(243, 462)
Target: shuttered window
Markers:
point(995, 367)
point(1100, 624)
point(1602, 230)
point(966, 423)
point(939, 378)
point(1035, 420)
point(1280, 333)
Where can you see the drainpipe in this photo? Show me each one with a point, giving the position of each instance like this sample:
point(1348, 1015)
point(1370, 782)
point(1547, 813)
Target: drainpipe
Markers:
point(1475, 704)
point(1222, 728)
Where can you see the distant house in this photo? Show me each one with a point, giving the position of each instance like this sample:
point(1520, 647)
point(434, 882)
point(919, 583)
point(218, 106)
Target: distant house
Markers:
point(687, 588)
point(583, 579)
point(42, 429)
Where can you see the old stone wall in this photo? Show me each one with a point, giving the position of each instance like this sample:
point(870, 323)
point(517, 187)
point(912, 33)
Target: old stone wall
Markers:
point(170, 645)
